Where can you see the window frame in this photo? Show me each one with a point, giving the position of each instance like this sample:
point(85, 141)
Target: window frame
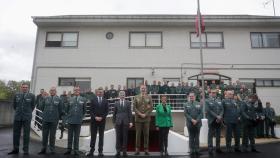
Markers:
point(61, 39)
point(60, 78)
point(207, 47)
point(262, 41)
point(145, 47)
point(265, 80)
point(134, 78)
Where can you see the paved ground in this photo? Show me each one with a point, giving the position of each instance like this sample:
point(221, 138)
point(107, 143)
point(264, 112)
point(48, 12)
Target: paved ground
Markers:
point(269, 150)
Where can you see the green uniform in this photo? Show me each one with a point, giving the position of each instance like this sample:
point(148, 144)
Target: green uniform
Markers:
point(113, 93)
point(75, 110)
point(172, 90)
point(52, 109)
point(249, 122)
point(137, 90)
point(214, 109)
point(213, 86)
point(24, 104)
point(193, 110)
point(144, 105)
point(154, 89)
point(164, 89)
point(232, 116)
point(260, 126)
point(269, 121)
point(64, 99)
point(186, 90)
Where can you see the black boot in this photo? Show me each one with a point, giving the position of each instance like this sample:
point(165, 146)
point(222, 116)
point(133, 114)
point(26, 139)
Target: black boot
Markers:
point(42, 152)
point(13, 152)
point(68, 152)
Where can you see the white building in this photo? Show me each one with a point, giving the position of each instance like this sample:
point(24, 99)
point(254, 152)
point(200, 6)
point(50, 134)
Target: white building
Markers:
point(99, 50)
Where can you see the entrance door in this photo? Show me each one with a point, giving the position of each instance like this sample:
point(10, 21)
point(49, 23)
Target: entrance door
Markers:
point(209, 77)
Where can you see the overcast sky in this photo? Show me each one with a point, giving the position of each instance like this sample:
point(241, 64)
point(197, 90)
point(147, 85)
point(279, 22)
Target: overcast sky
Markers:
point(17, 31)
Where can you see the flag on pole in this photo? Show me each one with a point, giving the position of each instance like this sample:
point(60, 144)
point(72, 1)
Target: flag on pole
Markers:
point(202, 24)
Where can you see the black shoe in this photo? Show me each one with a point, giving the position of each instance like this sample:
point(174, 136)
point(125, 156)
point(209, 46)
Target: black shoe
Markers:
point(237, 150)
point(198, 153)
point(118, 154)
point(89, 154)
point(42, 152)
point(192, 153)
point(147, 153)
point(52, 153)
point(68, 152)
point(219, 151)
point(100, 154)
point(210, 152)
point(161, 153)
point(13, 152)
point(25, 153)
point(125, 154)
point(137, 153)
point(76, 153)
point(255, 151)
point(166, 153)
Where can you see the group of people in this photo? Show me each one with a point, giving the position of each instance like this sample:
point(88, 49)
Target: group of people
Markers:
point(232, 110)
point(237, 115)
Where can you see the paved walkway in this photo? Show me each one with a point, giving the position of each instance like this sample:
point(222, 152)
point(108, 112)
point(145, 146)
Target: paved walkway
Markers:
point(269, 148)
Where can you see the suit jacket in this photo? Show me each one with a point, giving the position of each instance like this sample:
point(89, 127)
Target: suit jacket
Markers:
point(122, 114)
point(99, 110)
point(163, 118)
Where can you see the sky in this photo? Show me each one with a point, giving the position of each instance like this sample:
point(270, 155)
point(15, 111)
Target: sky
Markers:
point(18, 32)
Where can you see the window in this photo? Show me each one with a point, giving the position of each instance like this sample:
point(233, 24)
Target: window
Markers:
point(66, 81)
point(65, 39)
point(265, 40)
point(209, 40)
point(268, 82)
point(135, 82)
point(145, 40)
point(83, 83)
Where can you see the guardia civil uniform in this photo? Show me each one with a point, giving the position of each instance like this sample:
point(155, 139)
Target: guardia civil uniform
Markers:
point(214, 109)
point(193, 110)
point(232, 115)
point(75, 110)
point(52, 109)
point(269, 121)
point(249, 122)
point(24, 104)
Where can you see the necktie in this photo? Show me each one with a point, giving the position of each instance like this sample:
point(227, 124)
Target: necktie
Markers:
point(99, 100)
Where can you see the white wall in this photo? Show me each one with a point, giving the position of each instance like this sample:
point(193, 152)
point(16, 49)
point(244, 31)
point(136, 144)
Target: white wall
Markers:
point(271, 94)
point(95, 50)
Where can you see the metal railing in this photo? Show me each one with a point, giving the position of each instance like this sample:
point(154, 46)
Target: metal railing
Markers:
point(175, 100)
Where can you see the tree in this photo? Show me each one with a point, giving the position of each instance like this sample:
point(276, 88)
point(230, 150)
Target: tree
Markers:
point(7, 91)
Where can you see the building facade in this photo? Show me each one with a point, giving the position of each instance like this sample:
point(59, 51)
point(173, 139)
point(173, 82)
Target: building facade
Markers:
point(99, 50)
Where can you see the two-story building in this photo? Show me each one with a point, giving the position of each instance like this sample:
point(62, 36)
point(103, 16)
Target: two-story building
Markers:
point(99, 50)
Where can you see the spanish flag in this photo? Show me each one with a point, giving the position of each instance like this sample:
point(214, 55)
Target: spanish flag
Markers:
point(200, 18)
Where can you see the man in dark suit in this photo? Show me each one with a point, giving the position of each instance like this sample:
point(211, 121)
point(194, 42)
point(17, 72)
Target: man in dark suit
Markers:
point(98, 111)
point(122, 118)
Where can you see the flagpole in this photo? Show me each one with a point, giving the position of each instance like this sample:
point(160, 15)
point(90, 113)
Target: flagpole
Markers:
point(201, 57)
point(273, 7)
